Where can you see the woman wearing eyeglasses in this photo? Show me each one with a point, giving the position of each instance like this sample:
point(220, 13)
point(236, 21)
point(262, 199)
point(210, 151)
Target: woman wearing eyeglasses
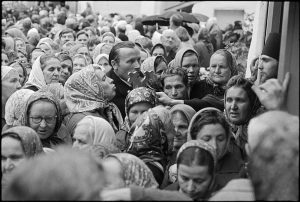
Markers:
point(43, 114)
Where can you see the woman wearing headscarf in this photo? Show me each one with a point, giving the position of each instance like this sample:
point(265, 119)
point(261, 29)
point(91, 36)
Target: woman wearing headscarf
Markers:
point(102, 48)
point(46, 47)
point(210, 125)
point(9, 43)
point(133, 35)
point(137, 102)
point(151, 139)
point(45, 70)
point(222, 68)
point(102, 60)
point(196, 160)
point(43, 114)
point(158, 49)
point(18, 141)
point(9, 84)
point(20, 45)
point(21, 69)
point(15, 105)
point(15, 33)
point(33, 37)
point(92, 131)
point(88, 93)
point(241, 105)
point(125, 170)
point(108, 38)
point(181, 116)
point(157, 64)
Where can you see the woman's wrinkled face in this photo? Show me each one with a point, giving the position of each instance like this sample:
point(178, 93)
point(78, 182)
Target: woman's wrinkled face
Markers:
point(10, 84)
point(181, 125)
point(114, 173)
point(78, 64)
point(106, 49)
point(12, 154)
point(215, 135)
point(4, 59)
point(83, 51)
point(194, 180)
point(45, 48)
point(237, 105)
point(160, 68)
point(107, 85)
point(108, 40)
point(66, 70)
point(219, 70)
point(20, 45)
point(82, 135)
point(103, 62)
point(43, 118)
point(158, 51)
point(136, 110)
point(52, 71)
point(21, 73)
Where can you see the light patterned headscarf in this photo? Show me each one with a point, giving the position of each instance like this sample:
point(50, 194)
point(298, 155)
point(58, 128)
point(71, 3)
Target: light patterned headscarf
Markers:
point(201, 144)
point(30, 140)
point(5, 70)
point(187, 110)
point(83, 91)
point(148, 64)
point(98, 50)
point(99, 57)
point(135, 171)
point(15, 106)
point(100, 131)
point(36, 77)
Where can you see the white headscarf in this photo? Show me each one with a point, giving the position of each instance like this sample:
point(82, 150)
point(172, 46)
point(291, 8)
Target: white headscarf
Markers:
point(5, 70)
point(36, 76)
point(99, 57)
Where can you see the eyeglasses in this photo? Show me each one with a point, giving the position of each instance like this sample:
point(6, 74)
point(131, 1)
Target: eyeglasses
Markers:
point(48, 119)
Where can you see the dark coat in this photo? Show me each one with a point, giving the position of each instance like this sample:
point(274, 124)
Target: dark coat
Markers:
point(122, 90)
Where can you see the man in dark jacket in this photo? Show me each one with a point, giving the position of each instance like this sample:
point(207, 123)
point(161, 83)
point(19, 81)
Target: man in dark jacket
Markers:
point(124, 58)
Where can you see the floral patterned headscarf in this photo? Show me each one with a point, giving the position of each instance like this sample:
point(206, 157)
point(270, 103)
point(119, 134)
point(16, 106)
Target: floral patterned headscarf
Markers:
point(138, 95)
point(15, 105)
point(83, 91)
point(30, 140)
point(152, 136)
point(135, 171)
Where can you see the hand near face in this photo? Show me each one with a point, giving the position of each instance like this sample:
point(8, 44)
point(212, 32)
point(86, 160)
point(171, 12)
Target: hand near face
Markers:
point(272, 94)
point(163, 98)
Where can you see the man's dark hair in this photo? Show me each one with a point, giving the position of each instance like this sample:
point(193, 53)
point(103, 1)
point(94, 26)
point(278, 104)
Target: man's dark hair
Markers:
point(173, 71)
point(115, 51)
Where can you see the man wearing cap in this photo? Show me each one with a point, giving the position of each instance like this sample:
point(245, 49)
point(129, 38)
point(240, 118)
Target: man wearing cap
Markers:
point(270, 91)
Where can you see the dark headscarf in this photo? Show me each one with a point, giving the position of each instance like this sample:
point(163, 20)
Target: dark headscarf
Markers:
point(45, 95)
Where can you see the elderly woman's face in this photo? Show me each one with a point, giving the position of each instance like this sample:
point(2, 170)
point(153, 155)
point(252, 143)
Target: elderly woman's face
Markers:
point(114, 173)
point(219, 70)
point(103, 62)
point(10, 84)
point(108, 40)
point(12, 154)
point(20, 45)
point(215, 135)
point(21, 73)
point(78, 64)
point(237, 105)
point(158, 51)
point(43, 118)
point(4, 59)
point(107, 84)
point(82, 135)
point(181, 125)
point(83, 51)
point(52, 71)
point(45, 48)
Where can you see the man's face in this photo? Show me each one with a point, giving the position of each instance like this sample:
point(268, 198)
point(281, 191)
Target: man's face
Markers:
point(268, 68)
point(129, 59)
point(66, 37)
point(175, 88)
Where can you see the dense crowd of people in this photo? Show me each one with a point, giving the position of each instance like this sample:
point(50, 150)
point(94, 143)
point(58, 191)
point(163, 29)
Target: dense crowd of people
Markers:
point(105, 108)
